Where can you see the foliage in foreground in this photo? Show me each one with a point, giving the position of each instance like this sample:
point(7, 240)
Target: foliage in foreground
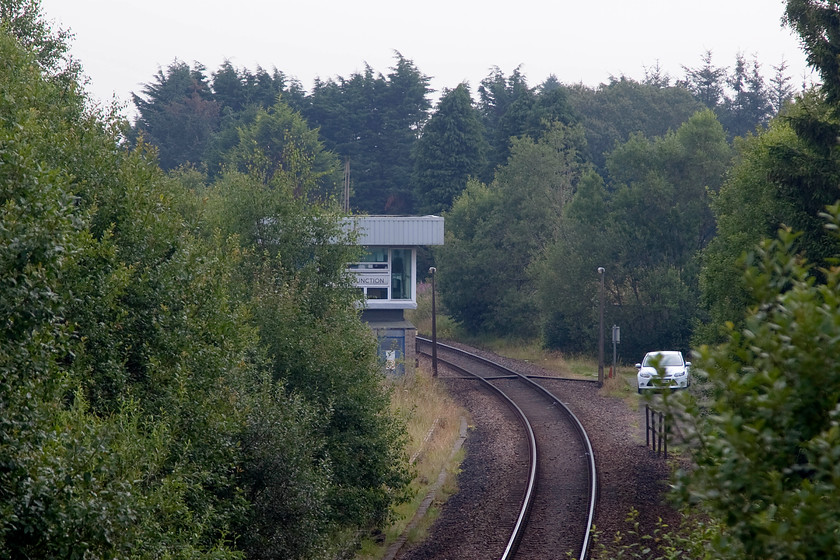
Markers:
point(766, 450)
point(690, 540)
point(118, 431)
point(143, 412)
point(764, 433)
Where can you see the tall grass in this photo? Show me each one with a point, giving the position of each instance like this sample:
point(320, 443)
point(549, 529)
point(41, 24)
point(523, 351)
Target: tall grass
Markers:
point(422, 316)
point(433, 422)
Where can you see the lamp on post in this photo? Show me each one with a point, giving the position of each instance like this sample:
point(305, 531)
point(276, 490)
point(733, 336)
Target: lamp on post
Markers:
point(600, 331)
point(432, 271)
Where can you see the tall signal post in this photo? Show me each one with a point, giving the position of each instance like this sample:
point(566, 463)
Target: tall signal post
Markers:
point(433, 272)
point(601, 332)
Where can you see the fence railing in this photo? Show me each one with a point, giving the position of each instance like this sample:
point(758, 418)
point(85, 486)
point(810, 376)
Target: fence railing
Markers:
point(656, 431)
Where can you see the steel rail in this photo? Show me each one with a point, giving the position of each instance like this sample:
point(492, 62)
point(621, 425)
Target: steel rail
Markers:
point(593, 478)
point(528, 496)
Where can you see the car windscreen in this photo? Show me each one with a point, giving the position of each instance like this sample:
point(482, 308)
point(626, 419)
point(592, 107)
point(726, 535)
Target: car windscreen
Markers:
point(664, 360)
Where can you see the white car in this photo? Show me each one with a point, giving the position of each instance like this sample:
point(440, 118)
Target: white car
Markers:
point(663, 369)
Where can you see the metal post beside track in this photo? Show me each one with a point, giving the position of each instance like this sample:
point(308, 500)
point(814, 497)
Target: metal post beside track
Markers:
point(433, 272)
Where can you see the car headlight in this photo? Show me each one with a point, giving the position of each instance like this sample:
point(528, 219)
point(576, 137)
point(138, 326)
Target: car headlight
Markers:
point(645, 375)
point(680, 373)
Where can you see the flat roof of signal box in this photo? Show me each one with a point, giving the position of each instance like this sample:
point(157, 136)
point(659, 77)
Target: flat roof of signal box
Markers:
point(397, 231)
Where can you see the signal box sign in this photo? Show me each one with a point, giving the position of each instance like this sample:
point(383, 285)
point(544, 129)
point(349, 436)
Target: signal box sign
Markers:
point(372, 280)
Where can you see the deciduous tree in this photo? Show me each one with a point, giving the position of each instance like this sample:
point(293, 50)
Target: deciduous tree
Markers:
point(294, 282)
point(280, 148)
point(24, 20)
point(495, 232)
point(645, 227)
point(779, 179)
point(612, 112)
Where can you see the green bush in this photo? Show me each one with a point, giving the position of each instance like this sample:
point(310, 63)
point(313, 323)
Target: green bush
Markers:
point(766, 454)
point(174, 384)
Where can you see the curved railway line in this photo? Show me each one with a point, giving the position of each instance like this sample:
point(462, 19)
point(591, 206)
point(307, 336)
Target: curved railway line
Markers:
point(556, 502)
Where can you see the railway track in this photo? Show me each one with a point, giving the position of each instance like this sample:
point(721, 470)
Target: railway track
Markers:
point(558, 483)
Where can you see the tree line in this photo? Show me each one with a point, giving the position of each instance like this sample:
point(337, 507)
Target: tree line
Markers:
point(659, 149)
point(386, 127)
point(629, 182)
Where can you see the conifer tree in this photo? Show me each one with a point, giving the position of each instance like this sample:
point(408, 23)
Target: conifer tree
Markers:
point(450, 151)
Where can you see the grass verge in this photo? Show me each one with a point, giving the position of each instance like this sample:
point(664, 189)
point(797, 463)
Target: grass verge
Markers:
point(433, 424)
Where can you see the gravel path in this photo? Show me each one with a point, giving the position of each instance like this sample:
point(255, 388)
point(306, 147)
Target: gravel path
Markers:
point(631, 476)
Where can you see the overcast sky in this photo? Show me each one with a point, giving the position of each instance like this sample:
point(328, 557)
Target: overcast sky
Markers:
point(122, 43)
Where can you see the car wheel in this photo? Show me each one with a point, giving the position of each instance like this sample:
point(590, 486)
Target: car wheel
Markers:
point(639, 390)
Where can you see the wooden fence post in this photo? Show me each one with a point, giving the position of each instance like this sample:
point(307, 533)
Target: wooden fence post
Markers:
point(652, 431)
